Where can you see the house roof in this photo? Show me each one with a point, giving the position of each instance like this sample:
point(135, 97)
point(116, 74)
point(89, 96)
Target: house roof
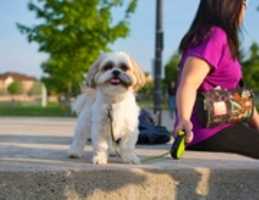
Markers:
point(17, 76)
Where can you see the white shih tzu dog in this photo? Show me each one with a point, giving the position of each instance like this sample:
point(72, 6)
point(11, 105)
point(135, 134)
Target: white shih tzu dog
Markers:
point(108, 112)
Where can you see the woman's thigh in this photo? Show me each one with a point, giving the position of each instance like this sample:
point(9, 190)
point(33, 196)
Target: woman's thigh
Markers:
point(239, 139)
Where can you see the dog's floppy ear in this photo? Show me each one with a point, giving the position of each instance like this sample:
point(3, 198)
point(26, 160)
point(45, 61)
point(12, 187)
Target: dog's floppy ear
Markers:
point(139, 75)
point(90, 79)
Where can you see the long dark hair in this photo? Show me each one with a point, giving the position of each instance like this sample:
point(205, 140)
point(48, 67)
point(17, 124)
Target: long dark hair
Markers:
point(222, 13)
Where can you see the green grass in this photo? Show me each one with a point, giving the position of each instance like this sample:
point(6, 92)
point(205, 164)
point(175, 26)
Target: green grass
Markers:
point(52, 110)
point(55, 110)
point(149, 104)
point(21, 109)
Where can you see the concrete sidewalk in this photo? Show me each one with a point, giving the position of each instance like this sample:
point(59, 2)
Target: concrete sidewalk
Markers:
point(34, 165)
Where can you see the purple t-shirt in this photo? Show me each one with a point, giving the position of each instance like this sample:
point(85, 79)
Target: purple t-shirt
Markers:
point(225, 72)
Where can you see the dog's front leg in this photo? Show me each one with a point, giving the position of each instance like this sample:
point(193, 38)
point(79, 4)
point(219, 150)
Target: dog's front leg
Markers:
point(127, 148)
point(100, 143)
point(82, 132)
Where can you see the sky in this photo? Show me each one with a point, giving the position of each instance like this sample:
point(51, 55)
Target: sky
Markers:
point(16, 54)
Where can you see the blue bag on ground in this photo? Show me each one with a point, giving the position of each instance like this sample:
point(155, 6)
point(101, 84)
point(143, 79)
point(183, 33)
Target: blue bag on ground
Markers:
point(149, 132)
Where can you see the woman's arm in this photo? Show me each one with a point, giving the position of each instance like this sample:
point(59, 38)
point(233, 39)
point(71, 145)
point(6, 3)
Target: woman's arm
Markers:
point(194, 72)
point(255, 120)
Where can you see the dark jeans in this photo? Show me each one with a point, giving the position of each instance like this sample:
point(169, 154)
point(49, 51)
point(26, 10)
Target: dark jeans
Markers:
point(240, 139)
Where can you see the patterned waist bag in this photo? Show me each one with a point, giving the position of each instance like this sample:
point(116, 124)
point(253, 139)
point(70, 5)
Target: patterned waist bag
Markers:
point(220, 106)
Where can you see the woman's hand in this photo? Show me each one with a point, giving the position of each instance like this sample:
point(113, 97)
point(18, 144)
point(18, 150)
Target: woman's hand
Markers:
point(186, 126)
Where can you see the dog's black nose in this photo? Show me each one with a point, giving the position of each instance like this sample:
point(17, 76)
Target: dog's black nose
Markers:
point(115, 73)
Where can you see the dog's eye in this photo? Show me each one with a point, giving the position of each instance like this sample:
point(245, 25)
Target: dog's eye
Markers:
point(108, 66)
point(124, 67)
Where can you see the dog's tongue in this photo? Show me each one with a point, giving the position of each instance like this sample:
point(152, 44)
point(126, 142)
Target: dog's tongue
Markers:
point(115, 81)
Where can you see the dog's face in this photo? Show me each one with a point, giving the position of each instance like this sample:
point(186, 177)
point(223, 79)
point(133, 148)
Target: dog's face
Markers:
point(116, 71)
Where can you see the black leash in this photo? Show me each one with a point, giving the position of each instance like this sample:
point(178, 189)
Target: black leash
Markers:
point(109, 114)
point(158, 157)
point(176, 151)
point(151, 158)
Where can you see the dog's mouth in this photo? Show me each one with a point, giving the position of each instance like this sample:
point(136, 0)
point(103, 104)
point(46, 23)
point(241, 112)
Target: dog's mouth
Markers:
point(115, 81)
point(121, 80)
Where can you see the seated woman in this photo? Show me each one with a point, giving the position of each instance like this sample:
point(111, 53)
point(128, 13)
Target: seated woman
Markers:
point(210, 58)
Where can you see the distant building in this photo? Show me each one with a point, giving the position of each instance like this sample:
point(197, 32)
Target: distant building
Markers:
point(9, 77)
point(149, 78)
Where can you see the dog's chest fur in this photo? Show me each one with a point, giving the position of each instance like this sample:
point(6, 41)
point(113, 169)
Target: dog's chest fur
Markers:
point(124, 115)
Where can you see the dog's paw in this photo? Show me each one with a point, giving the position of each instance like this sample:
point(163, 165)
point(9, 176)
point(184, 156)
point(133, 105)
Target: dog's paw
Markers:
point(73, 154)
point(100, 159)
point(132, 159)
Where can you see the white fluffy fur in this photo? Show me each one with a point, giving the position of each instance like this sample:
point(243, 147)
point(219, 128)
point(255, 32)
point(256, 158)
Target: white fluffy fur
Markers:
point(92, 107)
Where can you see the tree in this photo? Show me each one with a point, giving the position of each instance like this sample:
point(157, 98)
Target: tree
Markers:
point(15, 88)
point(73, 33)
point(36, 88)
point(251, 68)
point(171, 69)
point(146, 92)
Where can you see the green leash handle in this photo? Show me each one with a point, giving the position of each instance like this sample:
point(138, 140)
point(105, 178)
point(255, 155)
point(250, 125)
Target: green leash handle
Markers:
point(176, 151)
point(178, 147)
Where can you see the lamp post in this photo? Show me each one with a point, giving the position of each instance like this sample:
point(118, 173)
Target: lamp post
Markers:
point(158, 60)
